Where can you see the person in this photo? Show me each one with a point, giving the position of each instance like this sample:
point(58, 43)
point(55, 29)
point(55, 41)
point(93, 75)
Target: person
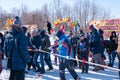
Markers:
point(1, 51)
point(43, 55)
point(112, 56)
point(109, 49)
point(118, 53)
point(96, 47)
point(101, 32)
point(2, 43)
point(15, 48)
point(31, 53)
point(83, 53)
point(74, 43)
point(36, 41)
point(65, 49)
point(55, 50)
point(0, 61)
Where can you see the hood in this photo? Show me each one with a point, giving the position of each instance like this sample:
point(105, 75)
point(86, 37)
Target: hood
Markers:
point(15, 30)
point(24, 29)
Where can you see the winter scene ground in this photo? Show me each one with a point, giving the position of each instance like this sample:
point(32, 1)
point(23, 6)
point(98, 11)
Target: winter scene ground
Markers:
point(107, 74)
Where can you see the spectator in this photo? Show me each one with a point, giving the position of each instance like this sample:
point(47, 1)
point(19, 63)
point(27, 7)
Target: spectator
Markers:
point(1, 51)
point(15, 47)
point(1, 44)
point(118, 53)
point(112, 56)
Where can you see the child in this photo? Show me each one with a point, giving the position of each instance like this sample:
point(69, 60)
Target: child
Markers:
point(55, 51)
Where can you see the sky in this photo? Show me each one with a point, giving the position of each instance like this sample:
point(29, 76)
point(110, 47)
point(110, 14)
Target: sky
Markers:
point(112, 5)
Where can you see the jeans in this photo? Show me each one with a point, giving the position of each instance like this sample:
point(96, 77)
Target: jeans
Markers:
point(112, 56)
point(119, 63)
point(35, 58)
point(97, 59)
point(75, 52)
point(66, 64)
point(46, 57)
point(83, 66)
point(17, 75)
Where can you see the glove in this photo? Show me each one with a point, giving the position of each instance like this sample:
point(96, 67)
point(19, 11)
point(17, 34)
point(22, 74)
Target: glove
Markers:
point(68, 57)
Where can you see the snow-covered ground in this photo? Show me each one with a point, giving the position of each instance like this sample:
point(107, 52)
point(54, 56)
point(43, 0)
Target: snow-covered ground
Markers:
point(107, 74)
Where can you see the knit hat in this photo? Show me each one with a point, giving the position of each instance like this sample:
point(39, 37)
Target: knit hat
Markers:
point(34, 31)
point(17, 21)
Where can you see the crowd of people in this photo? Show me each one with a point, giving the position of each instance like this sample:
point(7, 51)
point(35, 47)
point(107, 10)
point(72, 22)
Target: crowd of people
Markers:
point(22, 48)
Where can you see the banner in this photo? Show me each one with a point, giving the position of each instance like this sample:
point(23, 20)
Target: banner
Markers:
point(107, 26)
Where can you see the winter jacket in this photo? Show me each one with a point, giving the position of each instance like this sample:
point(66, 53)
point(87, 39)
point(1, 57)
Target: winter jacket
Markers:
point(109, 45)
point(95, 42)
point(19, 57)
point(114, 42)
point(1, 41)
point(46, 43)
point(36, 41)
point(118, 49)
point(83, 47)
point(64, 46)
point(74, 41)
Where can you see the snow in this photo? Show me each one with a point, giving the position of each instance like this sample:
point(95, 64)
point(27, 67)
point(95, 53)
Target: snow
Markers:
point(107, 74)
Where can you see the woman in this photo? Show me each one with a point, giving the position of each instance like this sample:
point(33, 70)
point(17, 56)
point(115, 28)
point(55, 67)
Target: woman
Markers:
point(113, 39)
point(118, 53)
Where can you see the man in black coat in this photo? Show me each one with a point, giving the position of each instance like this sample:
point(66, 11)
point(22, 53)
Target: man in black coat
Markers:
point(45, 56)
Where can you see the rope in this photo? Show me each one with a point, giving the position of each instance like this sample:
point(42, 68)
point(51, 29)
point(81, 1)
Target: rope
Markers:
point(104, 66)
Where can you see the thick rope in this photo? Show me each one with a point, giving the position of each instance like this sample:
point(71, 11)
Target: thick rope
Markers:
point(104, 66)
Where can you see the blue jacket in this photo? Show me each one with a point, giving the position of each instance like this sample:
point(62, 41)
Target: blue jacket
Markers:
point(64, 46)
point(20, 56)
point(95, 42)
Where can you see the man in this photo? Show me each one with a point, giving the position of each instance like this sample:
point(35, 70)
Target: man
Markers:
point(74, 43)
point(65, 49)
point(37, 43)
point(45, 56)
point(96, 47)
point(15, 47)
